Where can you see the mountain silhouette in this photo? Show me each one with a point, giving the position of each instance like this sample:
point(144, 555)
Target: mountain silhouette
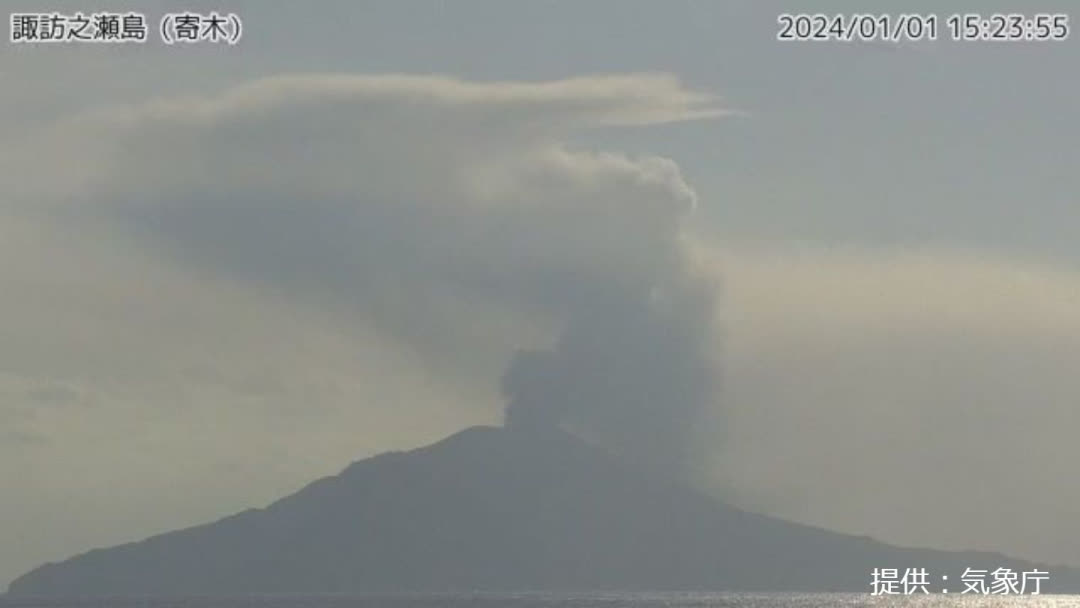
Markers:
point(500, 509)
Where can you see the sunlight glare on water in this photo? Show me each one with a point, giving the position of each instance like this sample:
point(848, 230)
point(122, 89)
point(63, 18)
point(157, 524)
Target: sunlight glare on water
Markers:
point(562, 600)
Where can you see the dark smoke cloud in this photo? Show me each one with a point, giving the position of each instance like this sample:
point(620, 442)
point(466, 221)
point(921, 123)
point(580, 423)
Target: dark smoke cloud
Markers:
point(636, 372)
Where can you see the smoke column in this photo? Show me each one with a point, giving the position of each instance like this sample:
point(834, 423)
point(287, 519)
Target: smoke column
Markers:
point(634, 369)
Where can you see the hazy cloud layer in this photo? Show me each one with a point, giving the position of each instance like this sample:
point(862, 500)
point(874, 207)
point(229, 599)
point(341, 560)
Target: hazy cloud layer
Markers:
point(399, 193)
point(922, 396)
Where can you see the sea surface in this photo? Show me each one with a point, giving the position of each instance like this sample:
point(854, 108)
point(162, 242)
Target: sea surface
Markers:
point(544, 600)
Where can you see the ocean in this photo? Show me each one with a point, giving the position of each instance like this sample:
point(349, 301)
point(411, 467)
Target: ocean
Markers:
point(549, 600)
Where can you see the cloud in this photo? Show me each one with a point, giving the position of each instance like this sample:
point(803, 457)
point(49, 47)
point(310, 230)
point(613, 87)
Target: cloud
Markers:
point(603, 100)
point(402, 194)
point(320, 119)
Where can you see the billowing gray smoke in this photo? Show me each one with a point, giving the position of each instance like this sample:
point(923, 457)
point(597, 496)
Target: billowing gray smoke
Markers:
point(448, 217)
point(634, 371)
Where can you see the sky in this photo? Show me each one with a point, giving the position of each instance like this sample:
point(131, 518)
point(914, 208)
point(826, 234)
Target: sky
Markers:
point(227, 271)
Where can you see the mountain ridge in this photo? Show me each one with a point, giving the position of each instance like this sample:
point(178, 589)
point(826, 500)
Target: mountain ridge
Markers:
point(497, 509)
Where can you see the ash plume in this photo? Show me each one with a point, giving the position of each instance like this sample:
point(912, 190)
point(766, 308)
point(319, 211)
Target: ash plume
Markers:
point(441, 216)
point(634, 370)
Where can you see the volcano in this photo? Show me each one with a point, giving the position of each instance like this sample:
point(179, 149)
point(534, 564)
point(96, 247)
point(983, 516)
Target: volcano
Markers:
point(500, 509)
